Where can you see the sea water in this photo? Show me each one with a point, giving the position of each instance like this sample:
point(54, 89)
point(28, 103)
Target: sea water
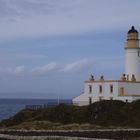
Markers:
point(9, 107)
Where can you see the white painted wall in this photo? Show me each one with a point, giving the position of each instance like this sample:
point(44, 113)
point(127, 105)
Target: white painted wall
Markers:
point(130, 88)
point(132, 62)
point(83, 99)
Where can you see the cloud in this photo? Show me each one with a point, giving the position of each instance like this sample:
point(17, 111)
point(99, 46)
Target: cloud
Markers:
point(54, 68)
point(45, 69)
point(19, 70)
point(34, 18)
point(33, 71)
point(13, 71)
point(11, 56)
point(29, 71)
point(50, 68)
point(15, 9)
point(77, 66)
point(30, 56)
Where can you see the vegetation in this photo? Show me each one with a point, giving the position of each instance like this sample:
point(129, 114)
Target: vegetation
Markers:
point(104, 114)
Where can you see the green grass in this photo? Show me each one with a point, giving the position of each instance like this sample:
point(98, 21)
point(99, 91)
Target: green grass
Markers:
point(100, 114)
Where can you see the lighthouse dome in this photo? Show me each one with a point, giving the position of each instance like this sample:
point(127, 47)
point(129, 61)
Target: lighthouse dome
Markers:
point(132, 30)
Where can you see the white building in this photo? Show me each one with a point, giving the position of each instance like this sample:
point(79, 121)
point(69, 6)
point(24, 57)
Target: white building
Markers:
point(127, 88)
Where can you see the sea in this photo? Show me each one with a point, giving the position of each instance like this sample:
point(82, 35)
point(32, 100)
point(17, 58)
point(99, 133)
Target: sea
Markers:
point(9, 107)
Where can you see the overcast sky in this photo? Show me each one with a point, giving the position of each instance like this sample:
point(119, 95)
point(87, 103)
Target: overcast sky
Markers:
point(48, 48)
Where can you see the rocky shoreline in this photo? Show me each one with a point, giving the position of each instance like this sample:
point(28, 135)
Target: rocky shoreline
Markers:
point(115, 134)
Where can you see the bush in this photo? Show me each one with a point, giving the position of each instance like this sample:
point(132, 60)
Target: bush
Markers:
point(103, 113)
point(106, 112)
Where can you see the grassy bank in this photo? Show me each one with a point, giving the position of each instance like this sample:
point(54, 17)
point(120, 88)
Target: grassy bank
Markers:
point(103, 114)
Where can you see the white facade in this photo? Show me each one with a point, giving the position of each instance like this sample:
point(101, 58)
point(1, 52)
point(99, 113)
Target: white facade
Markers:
point(108, 90)
point(132, 63)
point(127, 89)
point(132, 55)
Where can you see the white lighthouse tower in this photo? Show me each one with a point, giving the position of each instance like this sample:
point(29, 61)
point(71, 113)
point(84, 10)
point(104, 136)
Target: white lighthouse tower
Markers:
point(132, 55)
point(126, 89)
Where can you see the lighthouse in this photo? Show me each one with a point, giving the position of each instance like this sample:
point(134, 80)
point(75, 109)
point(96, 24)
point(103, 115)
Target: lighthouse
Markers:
point(126, 89)
point(132, 55)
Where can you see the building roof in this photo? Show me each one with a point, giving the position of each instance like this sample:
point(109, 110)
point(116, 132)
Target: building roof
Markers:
point(132, 30)
point(107, 81)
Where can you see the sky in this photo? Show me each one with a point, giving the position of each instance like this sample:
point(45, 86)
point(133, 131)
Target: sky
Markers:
point(48, 48)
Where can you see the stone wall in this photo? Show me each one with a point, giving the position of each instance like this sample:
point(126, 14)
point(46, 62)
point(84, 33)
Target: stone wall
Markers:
point(116, 134)
point(8, 137)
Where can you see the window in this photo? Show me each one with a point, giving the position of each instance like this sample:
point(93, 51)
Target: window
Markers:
point(90, 100)
point(111, 88)
point(100, 98)
point(90, 88)
point(138, 53)
point(100, 89)
point(121, 91)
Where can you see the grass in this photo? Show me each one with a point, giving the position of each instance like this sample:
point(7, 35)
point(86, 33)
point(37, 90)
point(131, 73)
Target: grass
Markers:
point(103, 114)
point(47, 125)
